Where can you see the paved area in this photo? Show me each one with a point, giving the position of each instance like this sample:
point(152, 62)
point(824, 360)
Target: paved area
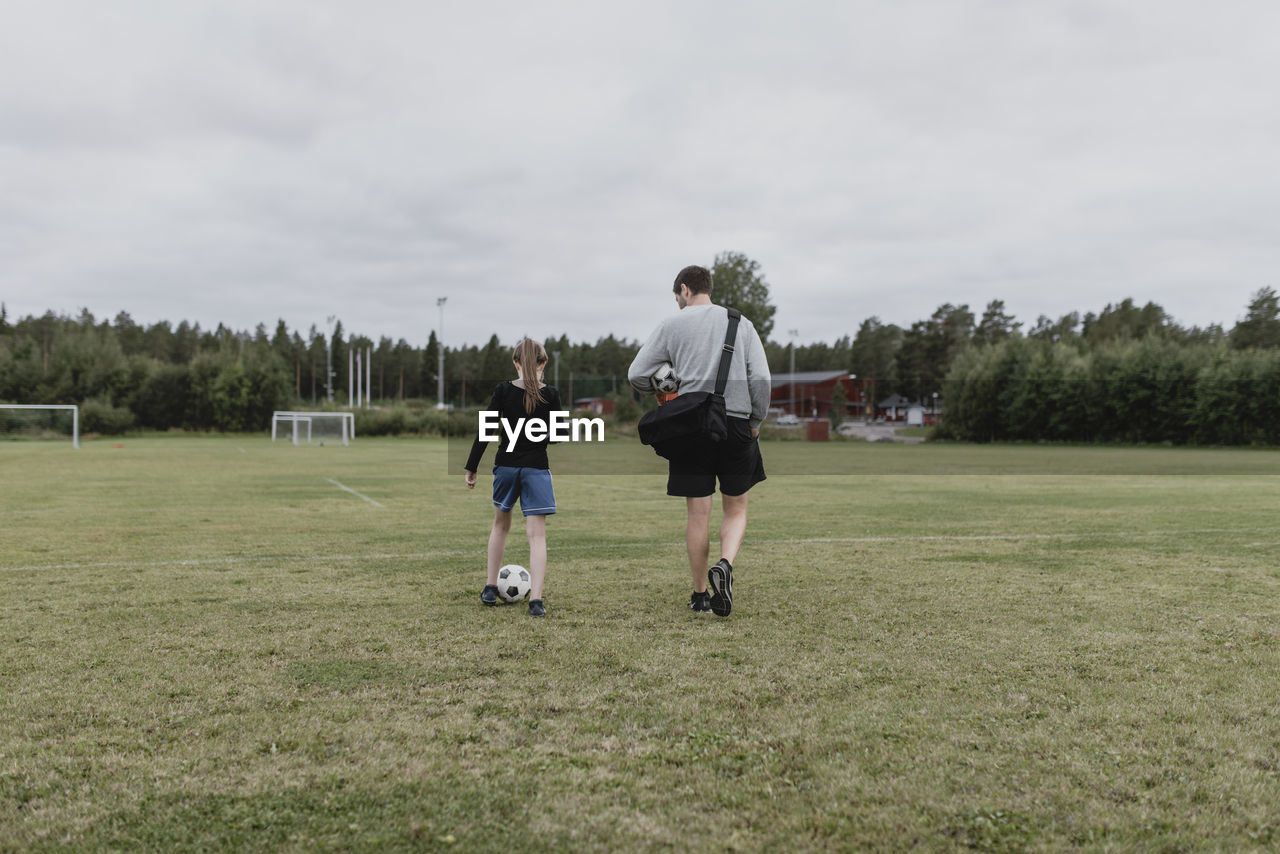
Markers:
point(878, 433)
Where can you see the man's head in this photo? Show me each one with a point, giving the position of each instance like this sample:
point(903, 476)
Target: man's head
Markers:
point(690, 282)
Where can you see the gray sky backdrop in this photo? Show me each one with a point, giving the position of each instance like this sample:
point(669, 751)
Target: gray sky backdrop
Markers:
point(549, 166)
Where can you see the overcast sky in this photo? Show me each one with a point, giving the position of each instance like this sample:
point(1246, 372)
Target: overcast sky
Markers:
point(549, 166)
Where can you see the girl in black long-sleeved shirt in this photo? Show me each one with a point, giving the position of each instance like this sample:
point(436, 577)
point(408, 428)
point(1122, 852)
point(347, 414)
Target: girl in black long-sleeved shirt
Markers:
point(521, 473)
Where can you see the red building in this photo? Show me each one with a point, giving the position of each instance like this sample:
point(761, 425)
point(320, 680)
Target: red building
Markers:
point(807, 393)
point(595, 405)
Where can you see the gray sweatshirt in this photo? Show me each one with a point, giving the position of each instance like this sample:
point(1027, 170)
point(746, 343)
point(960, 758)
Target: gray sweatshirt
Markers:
point(691, 341)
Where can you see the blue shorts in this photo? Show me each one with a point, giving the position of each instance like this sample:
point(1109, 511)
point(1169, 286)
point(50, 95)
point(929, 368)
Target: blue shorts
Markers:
point(531, 486)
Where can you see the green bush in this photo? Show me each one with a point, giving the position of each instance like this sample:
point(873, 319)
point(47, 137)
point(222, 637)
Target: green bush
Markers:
point(1237, 399)
point(1150, 390)
point(162, 398)
point(404, 420)
point(97, 416)
point(626, 410)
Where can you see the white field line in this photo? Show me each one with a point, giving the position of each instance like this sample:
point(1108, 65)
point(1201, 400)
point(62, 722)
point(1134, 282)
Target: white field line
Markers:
point(345, 558)
point(353, 492)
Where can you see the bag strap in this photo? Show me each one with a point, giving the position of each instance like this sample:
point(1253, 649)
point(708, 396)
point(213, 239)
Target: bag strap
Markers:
point(730, 335)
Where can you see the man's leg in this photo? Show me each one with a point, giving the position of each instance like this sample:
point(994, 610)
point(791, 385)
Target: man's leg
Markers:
point(536, 528)
point(697, 539)
point(740, 468)
point(733, 526)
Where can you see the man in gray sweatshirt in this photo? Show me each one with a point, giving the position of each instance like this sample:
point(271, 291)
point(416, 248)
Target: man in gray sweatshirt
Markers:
point(691, 342)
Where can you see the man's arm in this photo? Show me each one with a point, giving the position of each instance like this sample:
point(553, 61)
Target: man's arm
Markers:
point(653, 354)
point(759, 379)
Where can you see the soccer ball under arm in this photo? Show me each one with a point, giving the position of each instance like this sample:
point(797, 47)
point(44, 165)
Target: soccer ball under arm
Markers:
point(665, 381)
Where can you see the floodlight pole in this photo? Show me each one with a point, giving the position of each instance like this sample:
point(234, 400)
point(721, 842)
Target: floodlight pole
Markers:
point(328, 349)
point(440, 301)
point(556, 381)
point(795, 407)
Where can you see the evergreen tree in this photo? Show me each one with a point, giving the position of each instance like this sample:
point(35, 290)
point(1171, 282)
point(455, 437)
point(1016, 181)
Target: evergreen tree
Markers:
point(1126, 321)
point(736, 282)
point(995, 325)
point(1261, 326)
point(928, 348)
point(281, 343)
point(318, 359)
point(337, 384)
point(1063, 330)
point(839, 405)
point(562, 346)
point(495, 365)
point(429, 383)
point(185, 343)
point(405, 382)
point(874, 354)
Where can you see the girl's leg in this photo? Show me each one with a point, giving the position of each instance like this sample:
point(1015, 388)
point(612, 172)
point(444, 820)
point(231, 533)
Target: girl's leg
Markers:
point(536, 527)
point(498, 542)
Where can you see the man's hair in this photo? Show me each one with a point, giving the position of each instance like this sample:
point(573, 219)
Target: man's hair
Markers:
point(697, 278)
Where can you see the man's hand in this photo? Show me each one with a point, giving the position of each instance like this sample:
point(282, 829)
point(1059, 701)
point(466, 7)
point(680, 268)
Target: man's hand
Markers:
point(755, 432)
point(471, 480)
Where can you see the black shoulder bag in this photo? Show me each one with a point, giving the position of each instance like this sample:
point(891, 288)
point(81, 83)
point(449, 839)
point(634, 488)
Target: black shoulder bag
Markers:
point(673, 427)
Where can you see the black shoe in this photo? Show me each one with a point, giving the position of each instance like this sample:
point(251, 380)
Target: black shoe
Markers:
point(489, 595)
point(700, 602)
point(720, 579)
point(536, 608)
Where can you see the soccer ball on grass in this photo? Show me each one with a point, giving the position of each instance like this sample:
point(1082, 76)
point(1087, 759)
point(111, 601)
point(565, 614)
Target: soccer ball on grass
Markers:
point(513, 582)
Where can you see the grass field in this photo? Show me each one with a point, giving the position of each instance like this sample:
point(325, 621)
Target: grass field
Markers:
point(206, 643)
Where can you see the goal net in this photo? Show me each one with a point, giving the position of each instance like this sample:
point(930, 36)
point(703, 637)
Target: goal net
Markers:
point(36, 421)
point(313, 428)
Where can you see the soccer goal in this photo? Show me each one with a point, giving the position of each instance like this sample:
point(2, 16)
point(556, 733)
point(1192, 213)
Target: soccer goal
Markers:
point(313, 428)
point(38, 421)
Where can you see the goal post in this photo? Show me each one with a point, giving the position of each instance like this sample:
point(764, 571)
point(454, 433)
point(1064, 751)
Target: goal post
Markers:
point(313, 427)
point(53, 408)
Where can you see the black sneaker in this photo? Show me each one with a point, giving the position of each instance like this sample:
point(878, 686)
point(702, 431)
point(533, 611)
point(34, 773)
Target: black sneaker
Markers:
point(700, 602)
point(720, 579)
point(536, 608)
point(489, 595)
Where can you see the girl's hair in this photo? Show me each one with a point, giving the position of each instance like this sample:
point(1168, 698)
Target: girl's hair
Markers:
point(530, 355)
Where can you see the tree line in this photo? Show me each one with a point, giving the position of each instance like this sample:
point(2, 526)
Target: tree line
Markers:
point(160, 376)
point(1127, 375)
point(163, 376)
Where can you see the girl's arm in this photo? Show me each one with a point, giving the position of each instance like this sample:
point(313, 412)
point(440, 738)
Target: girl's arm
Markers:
point(553, 404)
point(477, 447)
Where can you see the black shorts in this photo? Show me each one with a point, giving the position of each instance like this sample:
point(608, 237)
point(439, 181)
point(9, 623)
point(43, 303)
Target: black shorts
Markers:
point(735, 461)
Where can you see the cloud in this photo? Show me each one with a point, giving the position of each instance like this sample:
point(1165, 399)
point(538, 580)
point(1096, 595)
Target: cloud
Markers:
point(550, 167)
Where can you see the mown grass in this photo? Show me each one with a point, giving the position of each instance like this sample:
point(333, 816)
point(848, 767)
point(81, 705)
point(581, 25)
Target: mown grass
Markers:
point(205, 644)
